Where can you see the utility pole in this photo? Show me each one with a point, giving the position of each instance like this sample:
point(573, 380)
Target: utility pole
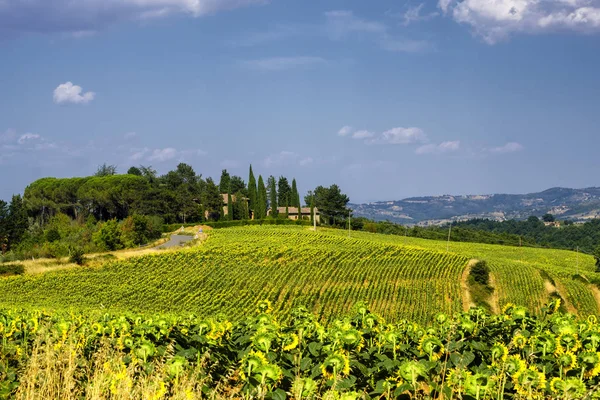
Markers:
point(349, 222)
point(577, 260)
point(448, 244)
point(315, 219)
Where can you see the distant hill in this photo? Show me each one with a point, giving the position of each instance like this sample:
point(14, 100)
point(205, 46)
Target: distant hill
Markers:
point(563, 203)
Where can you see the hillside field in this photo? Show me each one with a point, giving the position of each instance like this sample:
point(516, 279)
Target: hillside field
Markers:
point(325, 271)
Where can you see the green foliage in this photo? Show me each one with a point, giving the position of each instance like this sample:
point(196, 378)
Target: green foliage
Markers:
point(284, 192)
point(252, 189)
point(481, 273)
point(224, 182)
point(470, 355)
point(11, 269)
point(108, 235)
point(52, 235)
point(331, 202)
point(77, 256)
point(548, 218)
point(134, 171)
point(261, 208)
point(106, 170)
point(272, 186)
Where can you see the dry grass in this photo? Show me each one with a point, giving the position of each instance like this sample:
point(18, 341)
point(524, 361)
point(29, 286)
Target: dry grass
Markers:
point(59, 371)
point(43, 265)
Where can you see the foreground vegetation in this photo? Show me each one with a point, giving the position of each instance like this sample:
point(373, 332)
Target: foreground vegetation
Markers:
point(470, 355)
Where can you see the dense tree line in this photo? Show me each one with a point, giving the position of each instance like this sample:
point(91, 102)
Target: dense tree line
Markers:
point(108, 211)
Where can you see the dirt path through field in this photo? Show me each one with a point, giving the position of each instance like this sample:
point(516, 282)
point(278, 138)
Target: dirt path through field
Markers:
point(467, 301)
point(596, 294)
point(558, 288)
point(494, 300)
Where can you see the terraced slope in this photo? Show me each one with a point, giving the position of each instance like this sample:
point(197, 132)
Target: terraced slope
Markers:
point(324, 271)
point(521, 274)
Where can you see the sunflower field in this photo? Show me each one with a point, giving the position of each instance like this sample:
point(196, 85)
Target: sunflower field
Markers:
point(468, 355)
point(294, 266)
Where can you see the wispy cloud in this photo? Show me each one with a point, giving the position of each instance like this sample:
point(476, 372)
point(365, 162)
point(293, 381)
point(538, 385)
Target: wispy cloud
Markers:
point(343, 23)
point(344, 131)
point(91, 15)
point(495, 21)
point(70, 93)
point(416, 14)
point(286, 157)
point(363, 134)
point(283, 63)
point(401, 135)
point(511, 147)
point(444, 147)
point(339, 25)
point(163, 154)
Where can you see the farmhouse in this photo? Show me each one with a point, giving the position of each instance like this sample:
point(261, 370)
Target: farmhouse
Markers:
point(293, 213)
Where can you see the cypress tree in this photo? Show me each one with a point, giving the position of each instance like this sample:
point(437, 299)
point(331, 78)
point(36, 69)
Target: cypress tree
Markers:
point(273, 194)
point(225, 183)
point(229, 205)
point(261, 198)
point(295, 198)
point(252, 190)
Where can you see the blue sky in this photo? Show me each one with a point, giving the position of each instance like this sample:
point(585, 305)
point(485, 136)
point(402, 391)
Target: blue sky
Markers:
point(389, 99)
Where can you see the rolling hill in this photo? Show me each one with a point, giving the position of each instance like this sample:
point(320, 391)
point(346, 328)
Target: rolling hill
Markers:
point(325, 271)
point(573, 204)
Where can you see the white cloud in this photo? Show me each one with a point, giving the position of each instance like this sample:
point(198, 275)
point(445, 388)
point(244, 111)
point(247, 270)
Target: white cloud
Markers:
point(413, 14)
point(402, 135)
point(162, 155)
point(362, 135)
point(130, 135)
point(345, 131)
point(283, 63)
point(497, 20)
point(510, 147)
point(69, 93)
point(91, 15)
point(306, 161)
point(444, 147)
point(28, 138)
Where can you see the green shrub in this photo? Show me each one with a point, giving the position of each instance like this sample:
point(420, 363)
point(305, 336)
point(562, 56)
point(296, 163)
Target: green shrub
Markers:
point(11, 269)
point(77, 256)
point(481, 273)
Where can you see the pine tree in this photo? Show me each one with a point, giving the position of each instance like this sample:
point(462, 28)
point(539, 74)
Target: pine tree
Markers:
point(17, 222)
point(252, 190)
point(273, 195)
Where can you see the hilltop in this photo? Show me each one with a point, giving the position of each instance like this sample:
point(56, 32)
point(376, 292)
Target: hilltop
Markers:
point(563, 203)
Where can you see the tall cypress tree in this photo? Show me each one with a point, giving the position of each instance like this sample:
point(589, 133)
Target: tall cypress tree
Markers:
point(229, 204)
point(262, 198)
point(273, 195)
point(252, 190)
point(225, 182)
point(294, 195)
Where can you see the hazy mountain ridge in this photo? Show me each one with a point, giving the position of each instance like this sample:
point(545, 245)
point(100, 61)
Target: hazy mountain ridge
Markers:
point(564, 203)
